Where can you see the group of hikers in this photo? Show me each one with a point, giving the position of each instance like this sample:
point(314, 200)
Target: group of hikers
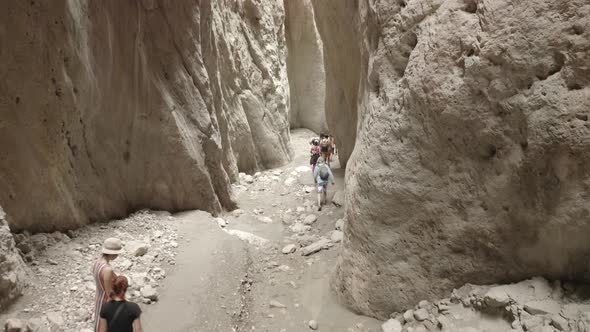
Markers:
point(322, 150)
point(112, 312)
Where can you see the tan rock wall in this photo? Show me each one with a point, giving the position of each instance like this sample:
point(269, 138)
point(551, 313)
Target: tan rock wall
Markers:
point(305, 63)
point(111, 106)
point(472, 151)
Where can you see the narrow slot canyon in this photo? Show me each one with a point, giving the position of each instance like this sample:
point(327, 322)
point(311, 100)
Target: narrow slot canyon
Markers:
point(459, 192)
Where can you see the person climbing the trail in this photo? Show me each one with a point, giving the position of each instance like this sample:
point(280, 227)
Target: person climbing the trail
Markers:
point(323, 175)
point(103, 276)
point(315, 153)
point(119, 315)
point(325, 148)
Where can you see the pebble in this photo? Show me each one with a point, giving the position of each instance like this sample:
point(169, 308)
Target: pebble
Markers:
point(313, 325)
point(149, 292)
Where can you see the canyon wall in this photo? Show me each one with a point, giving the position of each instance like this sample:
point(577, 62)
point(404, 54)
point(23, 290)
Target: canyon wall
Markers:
point(305, 63)
point(111, 106)
point(472, 154)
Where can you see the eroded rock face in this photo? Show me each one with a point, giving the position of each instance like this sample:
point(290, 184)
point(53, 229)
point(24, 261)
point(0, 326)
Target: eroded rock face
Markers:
point(107, 107)
point(305, 64)
point(471, 157)
point(11, 266)
point(338, 25)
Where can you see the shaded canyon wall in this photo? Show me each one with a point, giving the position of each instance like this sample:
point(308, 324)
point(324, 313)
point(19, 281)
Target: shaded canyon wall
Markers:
point(473, 145)
point(111, 106)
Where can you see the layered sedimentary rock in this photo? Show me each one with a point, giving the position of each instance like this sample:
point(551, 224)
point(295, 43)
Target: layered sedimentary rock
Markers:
point(11, 265)
point(471, 160)
point(111, 106)
point(305, 64)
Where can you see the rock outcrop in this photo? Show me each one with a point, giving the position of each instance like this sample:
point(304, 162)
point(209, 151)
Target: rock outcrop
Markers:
point(305, 64)
point(473, 144)
point(107, 107)
point(11, 266)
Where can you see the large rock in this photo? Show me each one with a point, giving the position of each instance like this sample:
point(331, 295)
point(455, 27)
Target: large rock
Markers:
point(472, 144)
point(110, 106)
point(12, 267)
point(305, 64)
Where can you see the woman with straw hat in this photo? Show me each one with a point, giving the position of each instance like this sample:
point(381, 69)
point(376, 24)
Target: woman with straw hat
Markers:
point(104, 275)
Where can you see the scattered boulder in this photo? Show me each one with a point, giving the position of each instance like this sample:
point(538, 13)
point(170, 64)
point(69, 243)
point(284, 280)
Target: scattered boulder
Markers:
point(421, 314)
point(264, 219)
point(313, 325)
point(310, 219)
point(137, 248)
point(339, 225)
point(276, 304)
point(299, 228)
point(149, 292)
point(323, 243)
point(338, 198)
point(497, 297)
point(337, 236)
point(289, 249)
point(542, 307)
point(249, 179)
point(392, 325)
point(14, 325)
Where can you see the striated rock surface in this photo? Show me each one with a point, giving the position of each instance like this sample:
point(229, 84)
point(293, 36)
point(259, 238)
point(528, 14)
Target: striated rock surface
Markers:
point(305, 63)
point(107, 107)
point(338, 25)
point(11, 266)
point(472, 151)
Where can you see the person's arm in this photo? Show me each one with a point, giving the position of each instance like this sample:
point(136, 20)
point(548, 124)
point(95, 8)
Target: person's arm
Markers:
point(331, 176)
point(103, 325)
point(137, 325)
point(108, 276)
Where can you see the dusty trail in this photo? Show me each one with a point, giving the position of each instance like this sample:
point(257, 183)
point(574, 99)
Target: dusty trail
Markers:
point(210, 289)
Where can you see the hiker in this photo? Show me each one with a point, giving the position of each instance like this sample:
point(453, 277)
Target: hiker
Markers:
point(104, 276)
point(323, 175)
point(325, 148)
point(332, 147)
point(315, 153)
point(118, 315)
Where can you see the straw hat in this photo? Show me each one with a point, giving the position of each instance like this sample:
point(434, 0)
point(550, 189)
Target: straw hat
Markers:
point(112, 246)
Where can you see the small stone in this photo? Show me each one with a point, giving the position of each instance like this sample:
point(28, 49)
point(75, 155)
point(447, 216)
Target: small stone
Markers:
point(237, 212)
point(149, 292)
point(310, 219)
point(289, 249)
point(423, 304)
point(338, 198)
point(409, 315)
point(496, 297)
point(542, 307)
point(392, 325)
point(14, 325)
point(137, 248)
point(313, 325)
point(421, 315)
point(337, 236)
point(158, 234)
point(299, 228)
point(51, 262)
point(339, 224)
point(55, 319)
point(559, 322)
point(582, 116)
point(276, 304)
point(24, 247)
point(264, 219)
point(323, 243)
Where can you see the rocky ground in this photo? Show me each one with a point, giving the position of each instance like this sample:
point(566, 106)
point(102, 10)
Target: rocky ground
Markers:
point(264, 267)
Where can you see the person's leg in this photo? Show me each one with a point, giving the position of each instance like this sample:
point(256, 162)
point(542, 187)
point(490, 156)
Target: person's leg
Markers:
point(320, 190)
